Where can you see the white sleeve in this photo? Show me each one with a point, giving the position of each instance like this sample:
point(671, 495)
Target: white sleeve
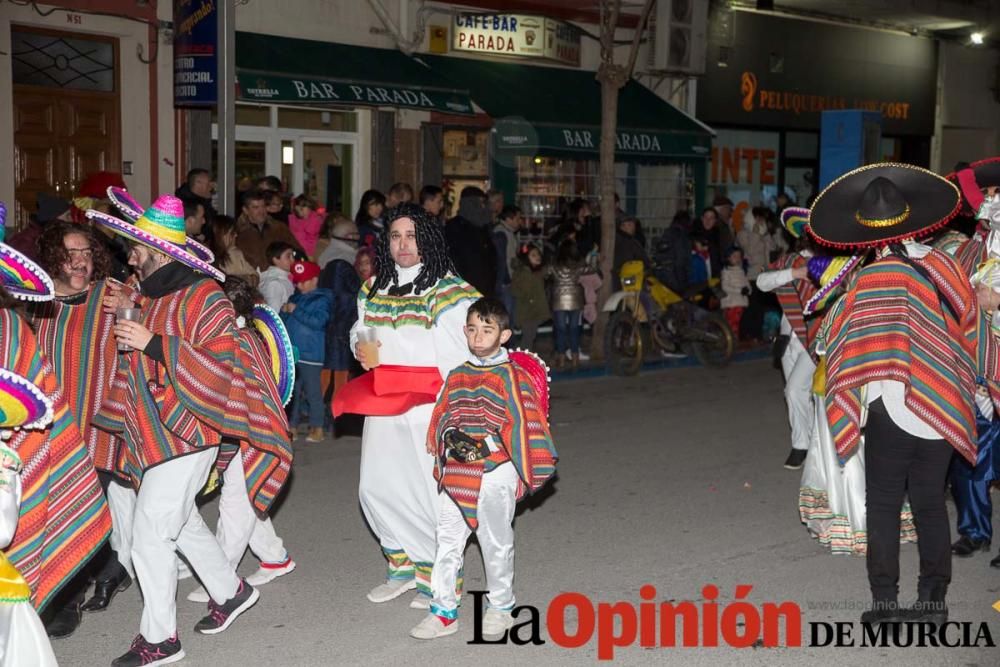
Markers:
point(772, 280)
point(358, 324)
point(450, 347)
point(10, 501)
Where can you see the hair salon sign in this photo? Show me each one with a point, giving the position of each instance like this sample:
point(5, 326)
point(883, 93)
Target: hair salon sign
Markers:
point(517, 35)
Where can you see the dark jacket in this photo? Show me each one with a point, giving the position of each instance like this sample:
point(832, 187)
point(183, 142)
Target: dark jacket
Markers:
point(627, 249)
point(470, 245)
point(672, 256)
point(253, 240)
point(307, 323)
point(528, 287)
point(184, 194)
point(719, 239)
point(344, 284)
point(368, 231)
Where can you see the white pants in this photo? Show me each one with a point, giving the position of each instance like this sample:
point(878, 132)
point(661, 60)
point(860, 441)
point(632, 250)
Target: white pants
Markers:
point(239, 526)
point(798, 368)
point(495, 534)
point(121, 502)
point(167, 521)
point(397, 490)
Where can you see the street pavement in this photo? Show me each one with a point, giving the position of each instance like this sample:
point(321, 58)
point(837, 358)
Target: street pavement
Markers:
point(672, 478)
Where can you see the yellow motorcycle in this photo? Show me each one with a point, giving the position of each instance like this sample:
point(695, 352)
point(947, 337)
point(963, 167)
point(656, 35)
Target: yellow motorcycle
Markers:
point(646, 314)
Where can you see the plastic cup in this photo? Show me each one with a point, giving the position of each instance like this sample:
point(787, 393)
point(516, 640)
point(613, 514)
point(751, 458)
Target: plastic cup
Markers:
point(130, 315)
point(368, 344)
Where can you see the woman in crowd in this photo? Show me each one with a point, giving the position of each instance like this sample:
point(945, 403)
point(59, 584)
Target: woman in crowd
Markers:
point(369, 216)
point(228, 258)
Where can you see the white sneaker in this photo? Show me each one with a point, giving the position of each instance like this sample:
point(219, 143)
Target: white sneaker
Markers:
point(496, 623)
point(583, 356)
point(420, 601)
point(391, 589)
point(432, 628)
point(198, 595)
point(270, 571)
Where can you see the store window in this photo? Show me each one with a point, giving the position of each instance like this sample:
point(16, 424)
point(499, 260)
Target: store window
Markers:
point(465, 162)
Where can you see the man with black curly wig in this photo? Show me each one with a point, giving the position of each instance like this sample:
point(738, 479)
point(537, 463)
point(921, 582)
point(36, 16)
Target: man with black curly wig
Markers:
point(75, 334)
point(415, 306)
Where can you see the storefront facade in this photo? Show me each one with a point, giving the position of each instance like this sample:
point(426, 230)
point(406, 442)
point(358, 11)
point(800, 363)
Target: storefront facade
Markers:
point(769, 78)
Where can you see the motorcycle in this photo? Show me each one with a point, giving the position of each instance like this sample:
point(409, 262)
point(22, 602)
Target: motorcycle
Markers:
point(647, 314)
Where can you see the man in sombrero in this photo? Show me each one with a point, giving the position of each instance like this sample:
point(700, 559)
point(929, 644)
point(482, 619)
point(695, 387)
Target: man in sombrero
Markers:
point(175, 395)
point(788, 278)
point(75, 333)
point(58, 476)
point(901, 364)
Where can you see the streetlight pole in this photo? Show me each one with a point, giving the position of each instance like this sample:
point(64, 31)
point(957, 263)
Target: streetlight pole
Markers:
point(226, 81)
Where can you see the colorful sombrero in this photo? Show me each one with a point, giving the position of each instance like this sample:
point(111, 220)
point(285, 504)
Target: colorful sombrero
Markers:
point(795, 219)
point(21, 276)
point(879, 204)
point(22, 404)
point(971, 180)
point(3, 221)
point(279, 347)
point(133, 211)
point(828, 272)
point(160, 227)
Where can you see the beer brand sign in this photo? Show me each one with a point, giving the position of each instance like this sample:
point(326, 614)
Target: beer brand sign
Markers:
point(517, 35)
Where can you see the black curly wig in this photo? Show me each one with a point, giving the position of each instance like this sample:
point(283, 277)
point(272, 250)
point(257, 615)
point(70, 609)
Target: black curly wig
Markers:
point(430, 244)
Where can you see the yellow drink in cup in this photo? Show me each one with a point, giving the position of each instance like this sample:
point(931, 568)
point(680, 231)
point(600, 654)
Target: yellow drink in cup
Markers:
point(368, 345)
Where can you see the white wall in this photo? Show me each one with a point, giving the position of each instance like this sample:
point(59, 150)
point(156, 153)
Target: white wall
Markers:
point(135, 102)
point(967, 126)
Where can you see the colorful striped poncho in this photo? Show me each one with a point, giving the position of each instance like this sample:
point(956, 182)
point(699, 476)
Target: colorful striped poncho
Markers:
point(894, 325)
point(79, 342)
point(384, 310)
point(499, 401)
point(793, 296)
point(973, 251)
point(64, 517)
point(266, 463)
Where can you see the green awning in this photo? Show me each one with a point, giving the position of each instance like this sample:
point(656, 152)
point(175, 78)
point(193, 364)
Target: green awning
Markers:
point(285, 70)
point(550, 110)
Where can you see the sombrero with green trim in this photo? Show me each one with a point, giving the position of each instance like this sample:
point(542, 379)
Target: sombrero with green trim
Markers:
point(133, 210)
point(795, 219)
point(22, 404)
point(279, 347)
point(161, 228)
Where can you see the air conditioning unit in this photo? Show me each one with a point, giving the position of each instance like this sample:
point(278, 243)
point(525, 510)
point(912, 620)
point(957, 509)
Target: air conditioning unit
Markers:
point(679, 36)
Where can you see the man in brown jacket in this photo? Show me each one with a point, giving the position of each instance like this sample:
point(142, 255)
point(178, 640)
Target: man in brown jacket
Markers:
point(256, 230)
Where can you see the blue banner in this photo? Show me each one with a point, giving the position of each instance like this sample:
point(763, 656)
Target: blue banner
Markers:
point(195, 53)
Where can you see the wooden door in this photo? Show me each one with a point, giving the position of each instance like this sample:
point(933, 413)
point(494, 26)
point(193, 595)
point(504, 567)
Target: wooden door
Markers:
point(61, 132)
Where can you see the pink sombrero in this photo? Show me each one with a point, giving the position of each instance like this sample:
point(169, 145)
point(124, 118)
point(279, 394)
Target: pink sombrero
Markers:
point(22, 404)
point(160, 227)
point(133, 211)
point(21, 276)
point(279, 347)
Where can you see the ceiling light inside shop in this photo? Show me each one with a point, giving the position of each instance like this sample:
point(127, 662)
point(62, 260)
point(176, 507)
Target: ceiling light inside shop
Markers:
point(977, 37)
point(288, 155)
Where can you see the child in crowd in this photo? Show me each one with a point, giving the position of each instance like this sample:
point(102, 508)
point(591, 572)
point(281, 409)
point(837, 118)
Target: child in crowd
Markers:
point(306, 223)
point(489, 434)
point(364, 263)
point(736, 286)
point(228, 258)
point(276, 207)
point(528, 287)
point(276, 283)
point(567, 301)
point(700, 268)
point(305, 315)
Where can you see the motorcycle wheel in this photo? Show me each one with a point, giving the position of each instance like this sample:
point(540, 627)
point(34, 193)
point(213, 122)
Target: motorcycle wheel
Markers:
point(623, 344)
point(715, 343)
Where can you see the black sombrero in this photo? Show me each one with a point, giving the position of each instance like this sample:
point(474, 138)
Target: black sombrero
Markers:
point(877, 204)
point(972, 179)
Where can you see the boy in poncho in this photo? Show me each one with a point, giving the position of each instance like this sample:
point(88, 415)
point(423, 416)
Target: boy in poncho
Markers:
point(490, 436)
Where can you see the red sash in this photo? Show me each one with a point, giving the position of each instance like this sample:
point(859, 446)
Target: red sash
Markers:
point(388, 390)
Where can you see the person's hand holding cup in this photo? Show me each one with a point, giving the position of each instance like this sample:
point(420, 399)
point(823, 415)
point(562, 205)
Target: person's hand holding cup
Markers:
point(367, 348)
point(129, 314)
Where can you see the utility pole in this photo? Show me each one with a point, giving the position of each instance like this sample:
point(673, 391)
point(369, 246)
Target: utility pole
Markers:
point(226, 107)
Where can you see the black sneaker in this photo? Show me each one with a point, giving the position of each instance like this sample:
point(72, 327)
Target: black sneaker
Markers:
point(796, 459)
point(884, 611)
point(925, 611)
point(221, 616)
point(144, 654)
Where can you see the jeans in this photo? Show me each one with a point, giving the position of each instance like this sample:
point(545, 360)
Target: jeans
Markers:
point(567, 330)
point(308, 393)
point(896, 464)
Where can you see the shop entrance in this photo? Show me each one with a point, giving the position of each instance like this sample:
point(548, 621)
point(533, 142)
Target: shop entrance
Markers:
point(66, 113)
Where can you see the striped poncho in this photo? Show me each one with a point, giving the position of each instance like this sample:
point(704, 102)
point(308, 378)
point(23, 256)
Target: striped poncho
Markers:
point(793, 296)
point(64, 517)
point(79, 341)
point(384, 310)
point(894, 324)
point(499, 401)
point(973, 251)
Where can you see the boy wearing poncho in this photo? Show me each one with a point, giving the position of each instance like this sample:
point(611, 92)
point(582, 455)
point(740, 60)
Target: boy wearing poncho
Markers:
point(490, 436)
